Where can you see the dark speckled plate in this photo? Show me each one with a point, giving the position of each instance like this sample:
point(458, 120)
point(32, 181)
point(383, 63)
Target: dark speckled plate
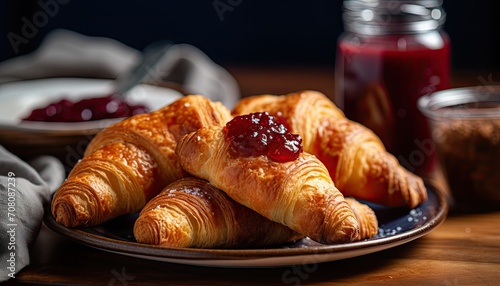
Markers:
point(396, 227)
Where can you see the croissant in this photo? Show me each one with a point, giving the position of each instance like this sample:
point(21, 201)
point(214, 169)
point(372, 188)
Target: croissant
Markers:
point(356, 158)
point(299, 193)
point(128, 163)
point(191, 212)
point(368, 223)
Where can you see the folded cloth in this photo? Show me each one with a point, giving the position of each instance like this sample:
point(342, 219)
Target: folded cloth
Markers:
point(25, 190)
point(64, 53)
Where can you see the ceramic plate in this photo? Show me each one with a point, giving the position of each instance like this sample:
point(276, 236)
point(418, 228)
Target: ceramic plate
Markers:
point(396, 227)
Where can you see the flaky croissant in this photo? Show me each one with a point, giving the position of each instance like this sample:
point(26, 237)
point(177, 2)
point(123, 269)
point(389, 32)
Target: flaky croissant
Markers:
point(299, 194)
point(191, 212)
point(130, 162)
point(357, 160)
point(368, 223)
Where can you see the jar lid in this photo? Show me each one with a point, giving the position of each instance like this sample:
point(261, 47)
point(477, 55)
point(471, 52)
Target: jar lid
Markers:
point(382, 17)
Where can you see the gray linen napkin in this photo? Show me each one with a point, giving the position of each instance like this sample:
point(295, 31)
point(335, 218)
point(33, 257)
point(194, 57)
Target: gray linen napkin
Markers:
point(25, 190)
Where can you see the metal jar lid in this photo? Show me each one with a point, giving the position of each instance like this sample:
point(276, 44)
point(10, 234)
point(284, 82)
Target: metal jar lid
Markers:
point(382, 17)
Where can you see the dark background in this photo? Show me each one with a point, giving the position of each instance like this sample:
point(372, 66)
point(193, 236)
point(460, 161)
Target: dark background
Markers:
point(249, 32)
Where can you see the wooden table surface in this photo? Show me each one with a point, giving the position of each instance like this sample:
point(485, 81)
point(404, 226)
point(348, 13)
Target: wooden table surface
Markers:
point(464, 250)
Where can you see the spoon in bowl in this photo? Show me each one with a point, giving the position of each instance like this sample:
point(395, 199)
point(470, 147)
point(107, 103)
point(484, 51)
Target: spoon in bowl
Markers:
point(151, 57)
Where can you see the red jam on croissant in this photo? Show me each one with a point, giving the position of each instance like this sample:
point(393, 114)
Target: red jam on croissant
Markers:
point(262, 134)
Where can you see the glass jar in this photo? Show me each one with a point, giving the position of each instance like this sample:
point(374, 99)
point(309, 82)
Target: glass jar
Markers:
point(391, 54)
point(465, 124)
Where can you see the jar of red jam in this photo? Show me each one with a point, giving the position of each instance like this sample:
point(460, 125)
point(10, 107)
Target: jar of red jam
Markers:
point(391, 54)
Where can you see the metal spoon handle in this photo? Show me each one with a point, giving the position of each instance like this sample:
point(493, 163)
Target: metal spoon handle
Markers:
point(151, 56)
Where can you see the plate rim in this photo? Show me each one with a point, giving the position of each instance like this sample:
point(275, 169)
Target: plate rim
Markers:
point(247, 257)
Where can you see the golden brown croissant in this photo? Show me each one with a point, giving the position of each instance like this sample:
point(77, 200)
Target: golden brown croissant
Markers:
point(191, 212)
point(368, 223)
point(128, 163)
point(357, 160)
point(299, 194)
